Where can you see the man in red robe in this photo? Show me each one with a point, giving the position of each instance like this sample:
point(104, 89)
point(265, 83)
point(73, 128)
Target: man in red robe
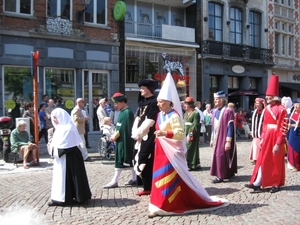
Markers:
point(269, 169)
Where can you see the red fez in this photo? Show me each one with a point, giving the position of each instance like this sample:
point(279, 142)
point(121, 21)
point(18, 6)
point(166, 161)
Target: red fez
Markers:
point(273, 86)
point(189, 100)
point(118, 97)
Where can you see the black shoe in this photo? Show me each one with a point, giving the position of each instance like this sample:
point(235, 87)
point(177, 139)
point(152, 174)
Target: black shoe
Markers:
point(56, 203)
point(252, 186)
point(88, 146)
point(274, 189)
point(131, 182)
point(229, 176)
point(88, 159)
point(217, 180)
point(198, 167)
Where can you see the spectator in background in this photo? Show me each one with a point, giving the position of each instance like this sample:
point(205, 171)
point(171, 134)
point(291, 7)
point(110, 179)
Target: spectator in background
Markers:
point(204, 104)
point(108, 108)
point(202, 125)
point(231, 105)
point(86, 134)
point(114, 115)
point(45, 100)
point(108, 128)
point(29, 113)
point(48, 111)
point(79, 120)
point(42, 116)
point(21, 143)
point(60, 104)
point(101, 111)
point(207, 121)
point(50, 137)
point(287, 103)
point(241, 122)
point(95, 117)
point(183, 107)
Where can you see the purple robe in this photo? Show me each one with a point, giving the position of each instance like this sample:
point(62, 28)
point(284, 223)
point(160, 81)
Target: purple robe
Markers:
point(224, 163)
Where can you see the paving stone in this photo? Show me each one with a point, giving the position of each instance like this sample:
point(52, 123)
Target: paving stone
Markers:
point(31, 189)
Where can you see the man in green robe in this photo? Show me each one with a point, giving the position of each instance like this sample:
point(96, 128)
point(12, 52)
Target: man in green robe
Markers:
point(192, 133)
point(123, 140)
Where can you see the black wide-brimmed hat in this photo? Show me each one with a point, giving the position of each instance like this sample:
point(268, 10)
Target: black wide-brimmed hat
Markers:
point(149, 83)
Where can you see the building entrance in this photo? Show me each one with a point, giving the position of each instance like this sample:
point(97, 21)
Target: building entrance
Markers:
point(95, 86)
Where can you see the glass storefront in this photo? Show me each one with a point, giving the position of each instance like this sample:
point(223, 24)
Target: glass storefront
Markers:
point(59, 85)
point(151, 62)
point(18, 90)
point(95, 87)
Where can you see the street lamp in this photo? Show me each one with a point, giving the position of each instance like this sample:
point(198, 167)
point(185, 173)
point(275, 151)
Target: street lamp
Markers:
point(79, 14)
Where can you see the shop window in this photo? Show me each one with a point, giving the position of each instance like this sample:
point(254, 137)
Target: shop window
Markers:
point(18, 89)
point(96, 12)
point(152, 62)
point(18, 6)
point(60, 85)
point(132, 70)
point(59, 8)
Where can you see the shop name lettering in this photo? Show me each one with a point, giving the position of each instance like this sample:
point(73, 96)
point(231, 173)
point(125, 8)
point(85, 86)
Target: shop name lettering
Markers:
point(296, 77)
point(176, 77)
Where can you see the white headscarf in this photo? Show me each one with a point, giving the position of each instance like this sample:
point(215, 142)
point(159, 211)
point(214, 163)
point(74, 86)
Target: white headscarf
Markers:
point(66, 134)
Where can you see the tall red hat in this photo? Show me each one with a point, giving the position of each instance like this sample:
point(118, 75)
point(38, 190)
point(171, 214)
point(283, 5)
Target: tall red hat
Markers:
point(273, 86)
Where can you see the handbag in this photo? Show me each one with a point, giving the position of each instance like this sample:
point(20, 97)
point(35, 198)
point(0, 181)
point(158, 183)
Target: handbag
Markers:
point(202, 129)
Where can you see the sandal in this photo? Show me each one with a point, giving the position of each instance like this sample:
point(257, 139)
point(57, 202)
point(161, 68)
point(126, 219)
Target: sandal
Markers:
point(25, 166)
point(35, 164)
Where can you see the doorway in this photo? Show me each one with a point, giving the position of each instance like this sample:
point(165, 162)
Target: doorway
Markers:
point(95, 86)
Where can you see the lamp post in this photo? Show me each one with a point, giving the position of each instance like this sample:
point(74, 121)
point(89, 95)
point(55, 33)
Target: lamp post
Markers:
point(79, 14)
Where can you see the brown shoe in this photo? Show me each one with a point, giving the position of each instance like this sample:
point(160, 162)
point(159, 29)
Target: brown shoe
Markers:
point(151, 215)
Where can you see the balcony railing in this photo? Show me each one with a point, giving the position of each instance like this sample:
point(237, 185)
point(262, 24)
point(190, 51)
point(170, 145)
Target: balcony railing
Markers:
point(236, 51)
point(163, 31)
point(143, 29)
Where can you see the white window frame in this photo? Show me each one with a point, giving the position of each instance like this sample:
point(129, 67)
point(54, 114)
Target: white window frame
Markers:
point(95, 13)
point(58, 9)
point(18, 3)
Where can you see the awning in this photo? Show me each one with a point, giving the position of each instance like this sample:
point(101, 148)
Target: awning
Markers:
point(295, 87)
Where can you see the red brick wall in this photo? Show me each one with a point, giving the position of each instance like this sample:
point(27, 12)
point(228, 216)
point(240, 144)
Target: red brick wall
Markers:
point(25, 24)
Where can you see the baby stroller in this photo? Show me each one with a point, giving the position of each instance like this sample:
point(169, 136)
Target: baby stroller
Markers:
point(106, 148)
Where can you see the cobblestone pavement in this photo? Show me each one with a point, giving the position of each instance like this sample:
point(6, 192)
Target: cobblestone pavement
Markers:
point(29, 190)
